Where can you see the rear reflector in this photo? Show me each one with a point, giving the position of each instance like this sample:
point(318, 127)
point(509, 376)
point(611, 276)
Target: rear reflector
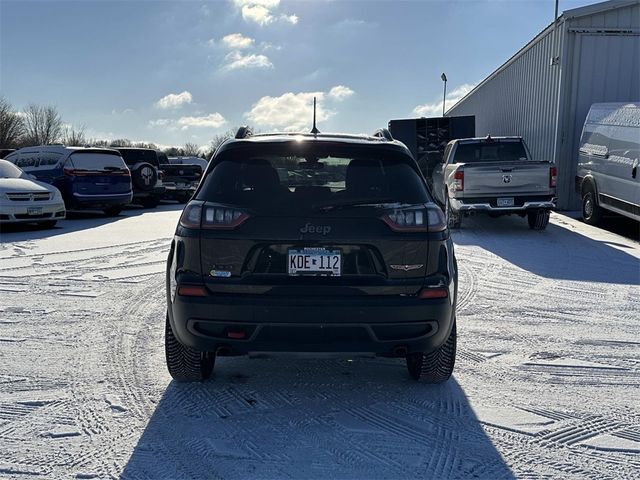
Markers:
point(192, 291)
point(239, 334)
point(433, 293)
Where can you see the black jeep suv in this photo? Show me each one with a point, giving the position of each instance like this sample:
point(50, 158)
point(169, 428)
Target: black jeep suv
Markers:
point(312, 243)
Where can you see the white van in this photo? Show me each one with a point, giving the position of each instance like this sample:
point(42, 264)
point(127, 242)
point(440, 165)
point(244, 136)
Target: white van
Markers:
point(608, 177)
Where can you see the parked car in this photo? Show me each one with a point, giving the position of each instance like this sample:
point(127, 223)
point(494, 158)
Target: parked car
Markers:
point(26, 200)
point(180, 181)
point(88, 178)
point(359, 260)
point(145, 175)
point(494, 175)
point(608, 177)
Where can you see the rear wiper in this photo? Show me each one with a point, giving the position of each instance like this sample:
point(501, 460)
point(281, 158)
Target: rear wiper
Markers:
point(369, 202)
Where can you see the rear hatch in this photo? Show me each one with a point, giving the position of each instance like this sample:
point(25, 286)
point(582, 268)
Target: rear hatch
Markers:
point(290, 221)
point(98, 172)
point(500, 167)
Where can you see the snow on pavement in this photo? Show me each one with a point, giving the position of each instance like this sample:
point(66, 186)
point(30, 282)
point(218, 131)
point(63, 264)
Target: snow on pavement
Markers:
point(547, 381)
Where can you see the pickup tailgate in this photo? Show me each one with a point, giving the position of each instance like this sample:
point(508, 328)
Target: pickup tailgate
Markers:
point(181, 173)
point(506, 178)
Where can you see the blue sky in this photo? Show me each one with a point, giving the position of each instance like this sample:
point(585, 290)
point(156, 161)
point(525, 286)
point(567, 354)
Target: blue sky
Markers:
point(172, 72)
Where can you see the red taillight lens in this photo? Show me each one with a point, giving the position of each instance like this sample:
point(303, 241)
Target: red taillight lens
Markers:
point(192, 291)
point(69, 172)
point(553, 175)
point(423, 219)
point(160, 175)
point(439, 292)
point(210, 215)
point(458, 181)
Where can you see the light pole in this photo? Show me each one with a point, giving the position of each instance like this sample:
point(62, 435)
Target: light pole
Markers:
point(444, 94)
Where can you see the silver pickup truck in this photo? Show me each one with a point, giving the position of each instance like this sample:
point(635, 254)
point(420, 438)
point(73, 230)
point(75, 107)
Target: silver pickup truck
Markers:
point(494, 176)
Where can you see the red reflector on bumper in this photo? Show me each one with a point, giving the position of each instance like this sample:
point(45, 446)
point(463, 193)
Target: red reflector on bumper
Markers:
point(433, 293)
point(236, 334)
point(192, 291)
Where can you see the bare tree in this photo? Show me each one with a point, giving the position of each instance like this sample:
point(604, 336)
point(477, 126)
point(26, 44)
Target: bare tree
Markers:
point(220, 138)
point(42, 124)
point(74, 137)
point(190, 150)
point(120, 142)
point(11, 125)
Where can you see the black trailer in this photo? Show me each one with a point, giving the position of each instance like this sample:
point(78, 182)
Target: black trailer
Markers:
point(427, 138)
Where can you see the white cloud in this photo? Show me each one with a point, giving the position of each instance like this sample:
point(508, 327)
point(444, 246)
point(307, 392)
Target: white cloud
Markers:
point(174, 100)
point(294, 111)
point(435, 109)
point(236, 60)
point(237, 41)
point(340, 92)
point(263, 12)
point(212, 120)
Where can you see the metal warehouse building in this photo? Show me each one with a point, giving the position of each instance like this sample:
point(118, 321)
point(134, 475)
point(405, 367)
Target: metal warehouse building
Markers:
point(543, 93)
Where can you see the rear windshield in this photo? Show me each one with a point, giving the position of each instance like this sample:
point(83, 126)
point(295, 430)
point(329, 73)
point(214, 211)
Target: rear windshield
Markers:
point(133, 156)
point(291, 182)
point(489, 152)
point(97, 161)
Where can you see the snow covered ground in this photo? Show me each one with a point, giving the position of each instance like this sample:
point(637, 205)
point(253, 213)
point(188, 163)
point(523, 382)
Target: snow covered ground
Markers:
point(547, 382)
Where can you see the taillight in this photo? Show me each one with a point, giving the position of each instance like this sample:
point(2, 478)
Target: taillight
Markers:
point(458, 180)
point(69, 172)
point(424, 219)
point(222, 217)
point(211, 215)
point(160, 175)
point(553, 175)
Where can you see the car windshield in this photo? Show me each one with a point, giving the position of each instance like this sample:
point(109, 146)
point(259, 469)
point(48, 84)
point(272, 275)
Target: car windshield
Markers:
point(9, 170)
point(288, 182)
point(97, 161)
point(490, 152)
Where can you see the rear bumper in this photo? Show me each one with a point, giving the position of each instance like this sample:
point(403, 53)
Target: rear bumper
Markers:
point(12, 213)
point(490, 205)
point(100, 201)
point(173, 191)
point(366, 324)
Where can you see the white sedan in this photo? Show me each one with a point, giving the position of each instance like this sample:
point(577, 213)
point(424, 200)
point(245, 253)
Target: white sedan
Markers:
point(26, 200)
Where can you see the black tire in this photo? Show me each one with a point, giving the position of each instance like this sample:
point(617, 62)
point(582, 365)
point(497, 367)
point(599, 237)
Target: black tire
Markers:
point(48, 224)
point(186, 364)
point(144, 177)
point(591, 211)
point(454, 220)
point(436, 366)
point(113, 211)
point(150, 202)
point(539, 219)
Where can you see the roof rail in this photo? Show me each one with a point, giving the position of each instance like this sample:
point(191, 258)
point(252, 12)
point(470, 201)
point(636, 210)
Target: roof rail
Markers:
point(244, 132)
point(383, 133)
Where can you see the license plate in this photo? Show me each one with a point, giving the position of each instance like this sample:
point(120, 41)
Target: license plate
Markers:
point(505, 202)
point(315, 261)
point(34, 210)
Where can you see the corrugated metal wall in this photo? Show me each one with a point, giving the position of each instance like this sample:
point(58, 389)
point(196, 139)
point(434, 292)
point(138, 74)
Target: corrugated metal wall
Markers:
point(547, 104)
point(605, 67)
point(521, 99)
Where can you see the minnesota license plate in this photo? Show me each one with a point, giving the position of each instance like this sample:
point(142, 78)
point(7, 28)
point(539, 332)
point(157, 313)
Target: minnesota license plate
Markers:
point(505, 202)
point(315, 261)
point(34, 211)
